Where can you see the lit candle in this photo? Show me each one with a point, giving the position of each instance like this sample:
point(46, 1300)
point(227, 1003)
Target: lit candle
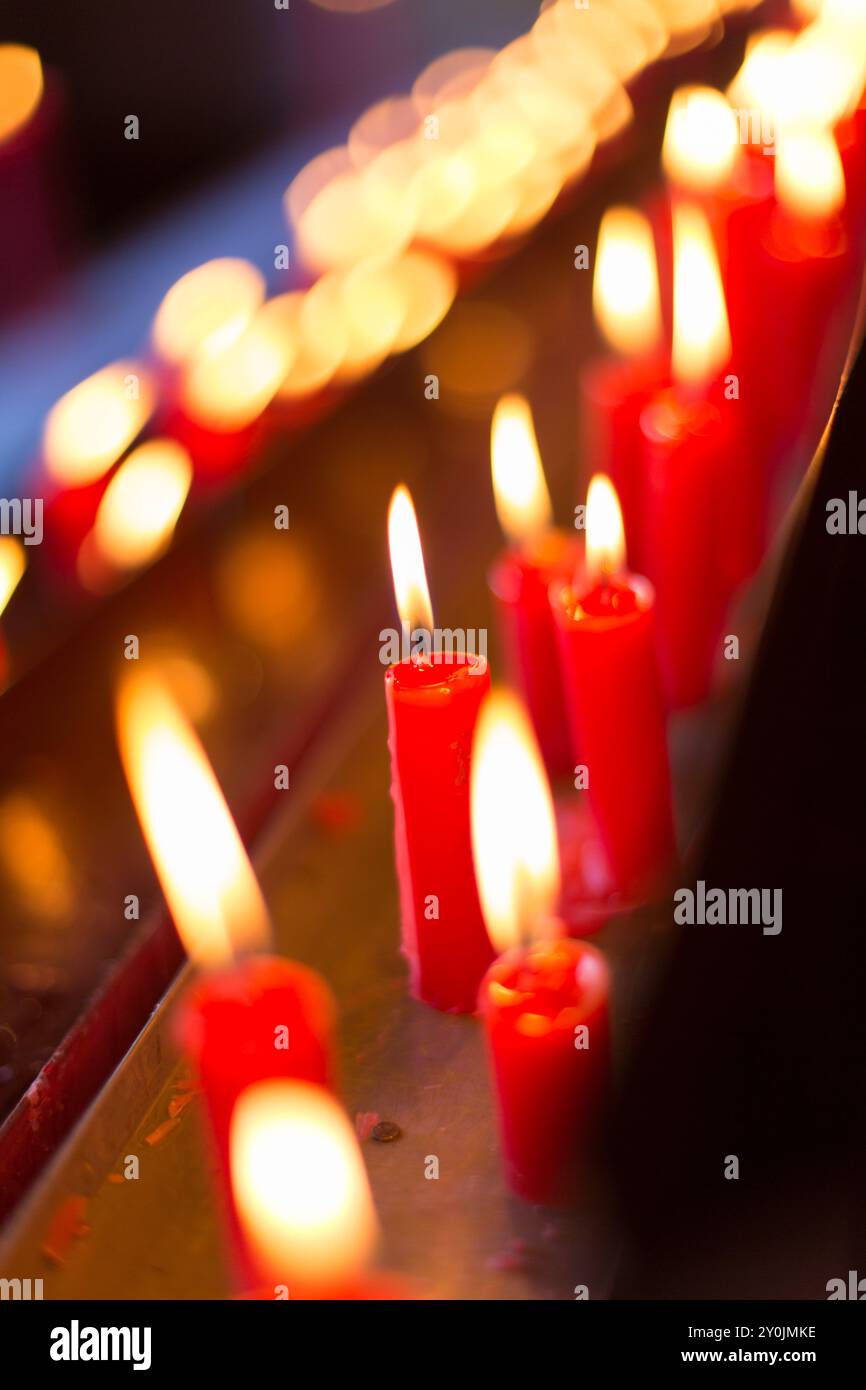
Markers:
point(614, 389)
point(544, 1001)
point(86, 432)
point(303, 1197)
point(606, 627)
point(690, 453)
point(252, 1016)
point(520, 579)
point(433, 698)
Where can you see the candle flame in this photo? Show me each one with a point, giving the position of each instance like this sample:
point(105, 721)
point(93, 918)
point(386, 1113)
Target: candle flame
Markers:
point(513, 825)
point(519, 487)
point(140, 507)
point(701, 336)
point(625, 287)
point(201, 863)
point(93, 424)
point(300, 1185)
point(13, 562)
point(207, 309)
point(605, 534)
point(758, 82)
point(809, 178)
point(228, 389)
point(701, 143)
point(21, 87)
point(407, 563)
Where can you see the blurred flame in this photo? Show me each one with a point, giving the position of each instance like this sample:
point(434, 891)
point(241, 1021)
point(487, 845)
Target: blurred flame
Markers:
point(810, 180)
point(13, 562)
point(407, 563)
point(21, 87)
point(140, 507)
point(701, 143)
point(207, 309)
point(519, 486)
point(300, 1185)
point(701, 336)
point(94, 423)
point(625, 288)
point(758, 82)
point(229, 389)
point(203, 868)
point(605, 535)
point(513, 825)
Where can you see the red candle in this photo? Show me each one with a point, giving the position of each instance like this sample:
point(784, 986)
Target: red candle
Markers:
point(433, 696)
point(544, 1002)
point(613, 390)
point(702, 487)
point(520, 578)
point(303, 1197)
point(251, 1017)
point(609, 661)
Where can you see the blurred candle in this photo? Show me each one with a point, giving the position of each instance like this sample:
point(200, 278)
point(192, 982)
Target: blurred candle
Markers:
point(691, 452)
point(544, 1001)
point(613, 390)
point(520, 578)
point(303, 1196)
point(251, 1016)
point(606, 627)
point(137, 513)
point(433, 698)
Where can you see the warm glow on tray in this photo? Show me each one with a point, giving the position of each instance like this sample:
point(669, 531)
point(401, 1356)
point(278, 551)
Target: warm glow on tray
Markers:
point(202, 866)
point(513, 824)
point(139, 510)
point(519, 486)
point(94, 423)
point(407, 563)
point(300, 1186)
point(21, 86)
point(701, 336)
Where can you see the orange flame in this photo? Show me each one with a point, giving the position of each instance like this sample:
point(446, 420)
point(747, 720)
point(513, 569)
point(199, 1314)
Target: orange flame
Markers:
point(809, 178)
point(605, 535)
point(140, 507)
point(407, 563)
point(513, 825)
point(94, 423)
point(701, 336)
point(13, 562)
point(21, 87)
point(207, 309)
point(519, 486)
point(701, 144)
point(201, 863)
point(625, 287)
point(300, 1185)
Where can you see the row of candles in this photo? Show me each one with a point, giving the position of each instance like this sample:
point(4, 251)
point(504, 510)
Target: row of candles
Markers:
point(599, 655)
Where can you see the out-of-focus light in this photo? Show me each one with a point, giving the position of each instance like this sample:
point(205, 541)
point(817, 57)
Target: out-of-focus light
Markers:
point(757, 84)
point(514, 841)
point(427, 286)
point(34, 858)
point(228, 390)
point(21, 87)
point(207, 309)
point(618, 42)
point(207, 879)
point(701, 143)
point(809, 178)
point(94, 423)
point(701, 336)
point(13, 562)
point(300, 1186)
point(340, 217)
point(140, 507)
point(625, 287)
point(519, 485)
